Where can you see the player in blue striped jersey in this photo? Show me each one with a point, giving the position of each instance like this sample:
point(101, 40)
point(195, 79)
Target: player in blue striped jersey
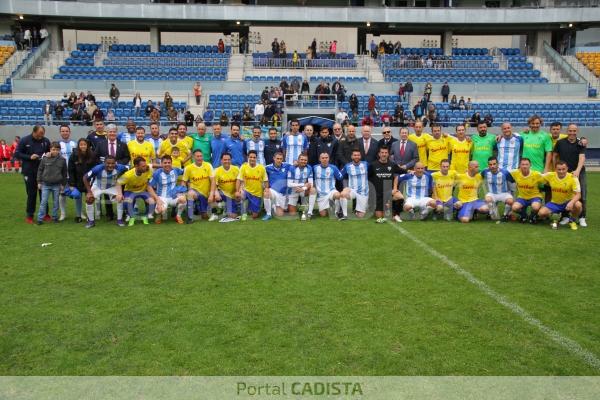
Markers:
point(257, 144)
point(419, 185)
point(510, 148)
point(276, 195)
point(294, 143)
point(498, 188)
point(325, 176)
point(357, 173)
point(164, 182)
point(155, 139)
point(300, 184)
point(102, 179)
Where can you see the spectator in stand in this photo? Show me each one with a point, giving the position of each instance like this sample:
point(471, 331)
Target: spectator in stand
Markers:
point(468, 104)
point(98, 114)
point(197, 92)
point(72, 99)
point(401, 92)
point(423, 104)
point(386, 119)
point(275, 48)
point(259, 110)
point(149, 108)
point(488, 119)
point(208, 115)
point(408, 89)
point(48, 109)
point(276, 120)
point(168, 101)
point(475, 120)
point(428, 90)
point(114, 95)
point(221, 46)
point(461, 103)
point(295, 59)
point(137, 104)
point(333, 49)
point(398, 115)
point(445, 92)
point(354, 119)
point(188, 118)
point(432, 113)
point(89, 98)
point(341, 116)
point(282, 49)
point(172, 114)
point(367, 120)
point(372, 105)
point(417, 111)
point(397, 47)
point(313, 49)
point(453, 103)
point(110, 115)
point(155, 115)
point(181, 115)
point(247, 118)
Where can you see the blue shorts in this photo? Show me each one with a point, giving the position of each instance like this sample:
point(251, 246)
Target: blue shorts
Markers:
point(253, 202)
point(449, 203)
point(467, 209)
point(556, 208)
point(133, 196)
point(201, 202)
point(231, 205)
point(527, 203)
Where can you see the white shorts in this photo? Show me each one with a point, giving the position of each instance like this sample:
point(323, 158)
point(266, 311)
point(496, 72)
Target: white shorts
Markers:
point(362, 202)
point(97, 192)
point(418, 203)
point(168, 202)
point(278, 199)
point(294, 197)
point(500, 197)
point(324, 201)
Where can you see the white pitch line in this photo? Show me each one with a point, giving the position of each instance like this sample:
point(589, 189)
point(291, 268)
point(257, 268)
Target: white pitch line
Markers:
point(569, 344)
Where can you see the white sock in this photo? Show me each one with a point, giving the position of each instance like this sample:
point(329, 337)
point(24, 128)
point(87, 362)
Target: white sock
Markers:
point(267, 204)
point(311, 203)
point(344, 205)
point(180, 208)
point(119, 211)
point(62, 201)
point(426, 210)
point(90, 209)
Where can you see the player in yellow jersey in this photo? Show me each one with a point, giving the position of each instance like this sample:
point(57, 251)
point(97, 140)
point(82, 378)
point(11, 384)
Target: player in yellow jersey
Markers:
point(420, 139)
point(199, 177)
point(468, 193)
point(566, 195)
point(224, 187)
point(135, 184)
point(528, 190)
point(251, 182)
point(460, 150)
point(443, 188)
point(438, 148)
point(166, 147)
point(555, 134)
point(187, 140)
point(140, 147)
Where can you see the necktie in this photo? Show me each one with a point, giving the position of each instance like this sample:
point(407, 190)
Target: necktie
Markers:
point(112, 149)
point(366, 147)
point(402, 149)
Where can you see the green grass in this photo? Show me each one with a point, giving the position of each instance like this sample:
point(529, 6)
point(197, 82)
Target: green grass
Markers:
point(291, 298)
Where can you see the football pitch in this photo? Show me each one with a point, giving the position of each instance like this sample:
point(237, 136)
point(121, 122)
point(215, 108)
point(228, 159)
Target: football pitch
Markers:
point(297, 298)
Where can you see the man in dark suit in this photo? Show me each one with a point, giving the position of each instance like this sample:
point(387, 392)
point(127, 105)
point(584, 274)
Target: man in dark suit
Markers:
point(113, 147)
point(403, 152)
point(367, 145)
point(387, 139)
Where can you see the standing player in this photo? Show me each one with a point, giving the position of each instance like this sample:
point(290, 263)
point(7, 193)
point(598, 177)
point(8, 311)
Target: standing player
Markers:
point(135, 184)
point(294, 144)
point(102, 180)
point(443, 187)
point(140, 147)
point(234, 145)
point(256, 144)
point(300, 184)
point(199, 177)
point(510, 147)
point(438, 148)
point(129, 133)
point(67, 146)
point(460, 151)
point(251, 182)
point(555, 134)
point(325, 176)
point(528, 190)
point(164, 181)
point(566, 194)
point(498, 190)
point(420, 139)
point(418, 191)
point(381, 175)
point(224, 187)
point(276, 195)
point(357, 173)
point(185, 139)
point(484, 145)
point(217, 145)
point(468, 193)
point(537, 146)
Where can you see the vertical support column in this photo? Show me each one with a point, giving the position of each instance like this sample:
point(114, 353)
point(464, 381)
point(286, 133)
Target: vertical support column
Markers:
point(154, 38)
point(447, 43)
point(56, 38)
point(537, 44)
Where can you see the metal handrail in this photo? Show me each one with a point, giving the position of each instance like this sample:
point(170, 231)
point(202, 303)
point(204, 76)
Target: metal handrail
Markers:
point(286, 63)
point(557, 60)
point(310, 101)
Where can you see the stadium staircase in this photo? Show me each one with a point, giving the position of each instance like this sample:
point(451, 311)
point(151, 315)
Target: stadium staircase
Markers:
point(12, 64)
point(584, 71)
point(48, 66)
point(548, 70)
point(374, 74)
point(237, 63)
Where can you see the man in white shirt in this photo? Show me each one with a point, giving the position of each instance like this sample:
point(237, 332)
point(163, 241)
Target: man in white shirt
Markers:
point(341, 116)
point(259, 110)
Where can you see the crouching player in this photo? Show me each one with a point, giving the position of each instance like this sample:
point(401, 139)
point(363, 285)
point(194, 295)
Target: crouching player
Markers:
point(300, 184)
point(498, 191)
point(135, 184)
point(528, 191)
point(223, 188)
point(443, 187)
point(251, 181)
point(199, 177)
point(325, 175)
point(275, 197)
point(566, 195)
point(419, 185)
point(468, 193)
point(102, 180)
point(164, 181)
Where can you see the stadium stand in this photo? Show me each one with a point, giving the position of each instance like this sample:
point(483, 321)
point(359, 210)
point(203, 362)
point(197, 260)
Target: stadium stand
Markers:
point(323, 61)
point(591, 61)
point(137, 62)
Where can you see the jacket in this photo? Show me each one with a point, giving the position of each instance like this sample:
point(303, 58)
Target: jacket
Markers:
point(52, 171)
point(77, 170)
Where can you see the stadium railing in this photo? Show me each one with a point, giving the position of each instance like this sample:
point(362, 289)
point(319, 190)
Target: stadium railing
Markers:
point(310, 101)
point(553, 57)
point(269, 63)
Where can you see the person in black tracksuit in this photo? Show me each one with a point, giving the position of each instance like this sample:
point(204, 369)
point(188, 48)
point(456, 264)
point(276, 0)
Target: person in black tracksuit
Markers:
point(30, 150)
point(272, 146)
